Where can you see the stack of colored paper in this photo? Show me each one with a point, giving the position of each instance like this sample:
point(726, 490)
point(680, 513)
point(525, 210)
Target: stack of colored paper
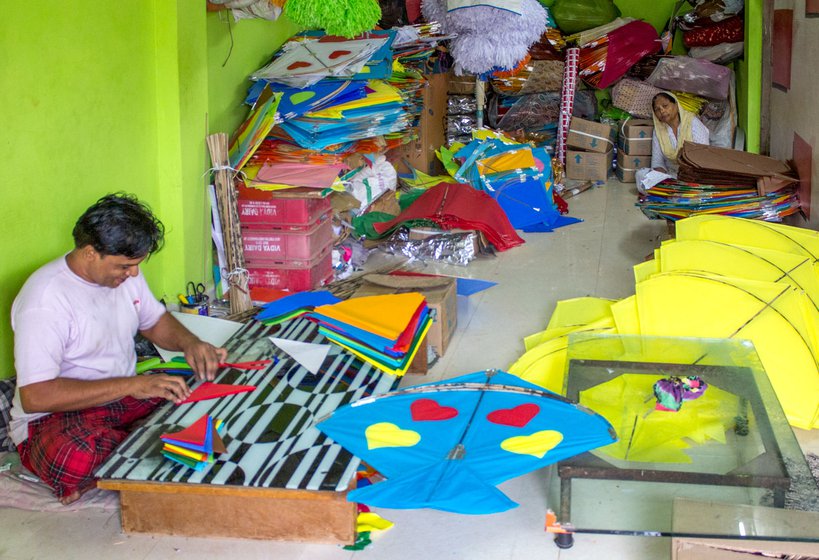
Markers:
point(253, 131)
point(385, 331)
point(304, 60)
point(294, 305)
point(379, 112)
point(194, 446)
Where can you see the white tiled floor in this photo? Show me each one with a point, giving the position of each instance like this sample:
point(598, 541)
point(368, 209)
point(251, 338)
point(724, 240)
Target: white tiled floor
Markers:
point(590, 258)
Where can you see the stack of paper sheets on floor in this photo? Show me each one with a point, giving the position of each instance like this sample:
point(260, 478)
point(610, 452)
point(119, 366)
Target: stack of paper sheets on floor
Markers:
point(723, 181)
point(385, 331)
point(674, 199)
point(194, 446)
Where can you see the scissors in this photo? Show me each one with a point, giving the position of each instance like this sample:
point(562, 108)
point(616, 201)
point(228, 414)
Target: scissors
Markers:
point(195, 292)
point(255, 364)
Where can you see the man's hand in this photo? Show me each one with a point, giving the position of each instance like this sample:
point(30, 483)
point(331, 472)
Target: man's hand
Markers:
point(204, 358)
point(66, 394)
point(170, 387)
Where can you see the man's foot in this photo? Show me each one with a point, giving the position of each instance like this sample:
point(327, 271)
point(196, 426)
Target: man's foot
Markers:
point(76, 494)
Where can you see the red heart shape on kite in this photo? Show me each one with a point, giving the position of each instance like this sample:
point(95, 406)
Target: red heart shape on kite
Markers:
point(517, 417)
point(299, 64)
point(428, 409)
point(335, 54)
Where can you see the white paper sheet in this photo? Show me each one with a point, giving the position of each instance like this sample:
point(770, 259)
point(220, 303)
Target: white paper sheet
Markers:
point(653, 178)
point(310, 356)
point(210, 329)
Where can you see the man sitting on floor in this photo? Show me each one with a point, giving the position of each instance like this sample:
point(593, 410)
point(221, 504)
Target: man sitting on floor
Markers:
point(74, 324)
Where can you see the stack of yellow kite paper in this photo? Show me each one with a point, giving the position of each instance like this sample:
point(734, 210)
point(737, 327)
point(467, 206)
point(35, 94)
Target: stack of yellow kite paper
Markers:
point(385, 330)
point(722, 277)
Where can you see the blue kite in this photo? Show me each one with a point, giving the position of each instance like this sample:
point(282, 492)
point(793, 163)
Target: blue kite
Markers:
point(446, 445)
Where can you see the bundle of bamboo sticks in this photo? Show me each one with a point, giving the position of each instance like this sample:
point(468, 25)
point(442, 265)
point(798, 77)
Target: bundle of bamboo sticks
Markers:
point(236, 274)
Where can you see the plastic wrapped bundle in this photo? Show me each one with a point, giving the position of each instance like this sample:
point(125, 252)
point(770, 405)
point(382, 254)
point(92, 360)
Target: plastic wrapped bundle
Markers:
point(719, 54)
point(572, 16)
point(458, 125)
point(708, 12)
point(635, 97)
point(692, 75)
point(731, 30)
point(461, 105)
point(606, 60)
point(535, 77)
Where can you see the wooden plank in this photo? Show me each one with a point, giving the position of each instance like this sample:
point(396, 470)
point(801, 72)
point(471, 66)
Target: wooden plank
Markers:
point(237, 512)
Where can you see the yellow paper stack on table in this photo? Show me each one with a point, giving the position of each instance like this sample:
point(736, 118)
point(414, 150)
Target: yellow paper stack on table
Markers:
point(385, 331)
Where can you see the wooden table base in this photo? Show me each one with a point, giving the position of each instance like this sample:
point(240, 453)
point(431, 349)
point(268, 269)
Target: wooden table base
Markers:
point(195, 510)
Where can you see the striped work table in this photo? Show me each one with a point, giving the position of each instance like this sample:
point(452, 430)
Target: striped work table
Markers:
point(280, 478)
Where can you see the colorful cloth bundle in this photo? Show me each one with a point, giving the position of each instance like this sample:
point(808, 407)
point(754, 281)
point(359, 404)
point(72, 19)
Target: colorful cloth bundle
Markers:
point(731, 30)
point(534, 77)
point(607, 59)
point(385, 331)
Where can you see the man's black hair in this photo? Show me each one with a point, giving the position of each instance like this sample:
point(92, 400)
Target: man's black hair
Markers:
point(119, 224)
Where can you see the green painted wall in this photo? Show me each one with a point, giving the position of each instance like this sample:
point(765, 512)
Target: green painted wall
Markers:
point(78, 107)
point(105, 96)
point(749, 77)
point(655, 12)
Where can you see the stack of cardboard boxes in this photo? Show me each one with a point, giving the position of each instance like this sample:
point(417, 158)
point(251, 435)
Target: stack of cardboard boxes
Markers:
point(634, 148)
point(591, 148)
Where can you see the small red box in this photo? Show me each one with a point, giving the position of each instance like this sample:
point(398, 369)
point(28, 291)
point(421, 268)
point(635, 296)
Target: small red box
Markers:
point(296, 276)
point(287, 244)
point(258, 208)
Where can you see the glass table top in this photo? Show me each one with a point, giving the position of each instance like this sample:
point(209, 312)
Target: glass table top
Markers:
point(728, 448)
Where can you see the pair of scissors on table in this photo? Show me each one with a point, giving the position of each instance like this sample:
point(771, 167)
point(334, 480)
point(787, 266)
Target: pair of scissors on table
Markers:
point(195, 293)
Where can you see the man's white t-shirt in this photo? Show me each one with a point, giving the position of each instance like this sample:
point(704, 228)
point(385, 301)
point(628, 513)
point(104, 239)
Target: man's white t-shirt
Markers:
point(67, 327)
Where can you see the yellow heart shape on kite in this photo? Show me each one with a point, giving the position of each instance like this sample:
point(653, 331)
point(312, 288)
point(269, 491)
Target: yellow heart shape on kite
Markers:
point(387, 434)
point(536, 444)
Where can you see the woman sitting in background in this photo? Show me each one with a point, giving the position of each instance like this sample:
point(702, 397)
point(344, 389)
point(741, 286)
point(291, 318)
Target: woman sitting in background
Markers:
point(673, 126)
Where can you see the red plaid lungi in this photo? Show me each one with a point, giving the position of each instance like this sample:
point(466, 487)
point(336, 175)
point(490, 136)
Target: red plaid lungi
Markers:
point(64, 448)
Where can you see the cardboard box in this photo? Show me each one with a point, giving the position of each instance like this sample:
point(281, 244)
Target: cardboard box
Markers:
point(590, 136)
point(691, 516)
point(590, 166)
point(635, 137)
point(628, 165)
point(461, 85)
point(439, 291)
point(740, 549)
point(420, 151)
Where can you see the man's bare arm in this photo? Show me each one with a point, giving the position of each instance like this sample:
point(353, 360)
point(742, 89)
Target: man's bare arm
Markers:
point(63, 395)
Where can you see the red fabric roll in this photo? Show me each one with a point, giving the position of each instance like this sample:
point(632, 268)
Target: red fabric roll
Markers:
point(730, 30)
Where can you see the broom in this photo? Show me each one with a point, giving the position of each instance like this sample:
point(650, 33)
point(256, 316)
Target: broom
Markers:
point(237, 275)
